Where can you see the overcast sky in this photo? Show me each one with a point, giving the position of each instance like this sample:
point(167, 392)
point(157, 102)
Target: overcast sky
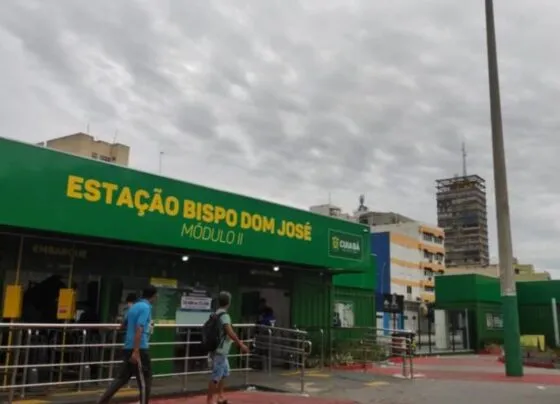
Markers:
point(291, 100)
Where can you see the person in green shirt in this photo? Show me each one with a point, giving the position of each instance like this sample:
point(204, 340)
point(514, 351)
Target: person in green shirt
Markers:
point(220, 362)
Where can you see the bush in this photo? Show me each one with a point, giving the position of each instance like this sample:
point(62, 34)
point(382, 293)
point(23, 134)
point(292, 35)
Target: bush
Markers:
point(348, 352)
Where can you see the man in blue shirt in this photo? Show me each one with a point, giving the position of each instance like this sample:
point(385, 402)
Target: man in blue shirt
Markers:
point(136, 358)
point(130, 300)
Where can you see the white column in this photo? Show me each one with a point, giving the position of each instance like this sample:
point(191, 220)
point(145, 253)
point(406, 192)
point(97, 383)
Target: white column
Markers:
point(555, 321)
point(442, 329)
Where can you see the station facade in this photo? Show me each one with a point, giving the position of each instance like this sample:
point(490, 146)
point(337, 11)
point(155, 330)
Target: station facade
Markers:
point(78, 235)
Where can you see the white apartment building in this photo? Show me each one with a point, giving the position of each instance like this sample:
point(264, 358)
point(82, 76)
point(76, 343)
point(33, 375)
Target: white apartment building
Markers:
point(417, 254)
point(410, 254)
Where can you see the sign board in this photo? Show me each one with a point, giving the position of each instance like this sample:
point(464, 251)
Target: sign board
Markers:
point(197, 300)
point(82, 195)
point(346, 246)
point(393, 303)
point(494, 321)
point(343, 316)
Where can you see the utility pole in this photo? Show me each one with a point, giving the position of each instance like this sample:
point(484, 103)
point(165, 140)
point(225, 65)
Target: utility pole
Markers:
point(512, 343)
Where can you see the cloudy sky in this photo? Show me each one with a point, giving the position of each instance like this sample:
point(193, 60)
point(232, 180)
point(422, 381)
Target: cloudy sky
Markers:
point(291, 100)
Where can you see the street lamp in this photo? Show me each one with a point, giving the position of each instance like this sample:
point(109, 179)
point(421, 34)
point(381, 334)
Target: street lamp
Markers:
point(512, 343)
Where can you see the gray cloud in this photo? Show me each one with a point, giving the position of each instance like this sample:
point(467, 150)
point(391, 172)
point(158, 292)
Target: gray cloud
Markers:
point(292, 100)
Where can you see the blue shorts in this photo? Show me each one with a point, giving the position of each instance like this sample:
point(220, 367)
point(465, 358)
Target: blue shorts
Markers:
point(220, 368)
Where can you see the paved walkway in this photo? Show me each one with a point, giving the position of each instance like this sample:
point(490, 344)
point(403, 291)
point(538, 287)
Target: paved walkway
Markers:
point(474, 368)
point(259, 398)
point(457, 380)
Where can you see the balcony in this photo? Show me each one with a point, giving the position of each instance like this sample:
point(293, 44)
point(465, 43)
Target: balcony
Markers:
point(428, 297)
point(433, 266)
point(432, 248)
point(427, 283)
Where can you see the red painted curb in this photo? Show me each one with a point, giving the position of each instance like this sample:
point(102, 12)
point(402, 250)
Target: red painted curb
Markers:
point(354, 366)
point(257, 398)
point(358, 366)
point(532, 364)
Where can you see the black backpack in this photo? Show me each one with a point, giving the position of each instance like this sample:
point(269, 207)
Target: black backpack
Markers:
point(212, 333)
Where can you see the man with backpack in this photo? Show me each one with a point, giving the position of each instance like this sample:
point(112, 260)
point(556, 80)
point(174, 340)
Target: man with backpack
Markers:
point(217, 337)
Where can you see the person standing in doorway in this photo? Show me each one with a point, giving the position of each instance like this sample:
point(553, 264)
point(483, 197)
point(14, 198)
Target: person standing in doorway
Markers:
point(136, 358)
point(220, 362)
point(262, 308)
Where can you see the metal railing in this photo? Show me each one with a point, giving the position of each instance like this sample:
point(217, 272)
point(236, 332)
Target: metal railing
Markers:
point(40, 358)
point(361, 347)
point(281, 347)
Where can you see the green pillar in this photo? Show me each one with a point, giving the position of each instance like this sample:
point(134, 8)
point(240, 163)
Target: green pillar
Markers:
point(512, 336)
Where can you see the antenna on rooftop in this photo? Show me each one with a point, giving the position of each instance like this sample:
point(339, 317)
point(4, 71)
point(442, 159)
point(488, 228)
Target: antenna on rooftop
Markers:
point(464, 153)
point(160, 161)
point(362, 207)
point(87, 128)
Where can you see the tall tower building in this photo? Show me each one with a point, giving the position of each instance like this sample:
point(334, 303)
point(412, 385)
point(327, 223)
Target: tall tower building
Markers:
point(462, 213)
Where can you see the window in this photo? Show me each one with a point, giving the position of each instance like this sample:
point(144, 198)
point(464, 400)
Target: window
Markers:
point(408, 290)
point(94, 156)
point(428, 272)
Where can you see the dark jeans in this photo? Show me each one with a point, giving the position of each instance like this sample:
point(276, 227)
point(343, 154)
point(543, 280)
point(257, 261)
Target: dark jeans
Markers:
point(142, 371)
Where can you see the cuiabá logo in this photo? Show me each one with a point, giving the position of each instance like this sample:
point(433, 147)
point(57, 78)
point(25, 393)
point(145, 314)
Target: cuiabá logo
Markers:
point(351, 246)
point(345, 245)
point(335, 243)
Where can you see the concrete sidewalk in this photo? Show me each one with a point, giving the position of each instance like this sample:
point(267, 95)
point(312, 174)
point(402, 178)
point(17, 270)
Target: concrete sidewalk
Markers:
point(316, 382)
point(258, 398)
point(350, 387)
point(457, 380)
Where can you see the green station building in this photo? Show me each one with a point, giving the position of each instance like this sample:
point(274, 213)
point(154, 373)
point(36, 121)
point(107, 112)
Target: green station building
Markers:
point(479, 297)
point(104, 231)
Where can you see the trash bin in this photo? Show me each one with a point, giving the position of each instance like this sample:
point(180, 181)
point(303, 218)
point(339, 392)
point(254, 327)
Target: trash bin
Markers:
point(401, 343)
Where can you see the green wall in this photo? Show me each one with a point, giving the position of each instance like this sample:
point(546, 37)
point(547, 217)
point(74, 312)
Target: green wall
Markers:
point(311, 300)
point(74, 195)
point(537, 320)
point(362, 280)
point(538, 292)
point(363, 302)
point(484, 334)
point(453, 289)
point(481, 295)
